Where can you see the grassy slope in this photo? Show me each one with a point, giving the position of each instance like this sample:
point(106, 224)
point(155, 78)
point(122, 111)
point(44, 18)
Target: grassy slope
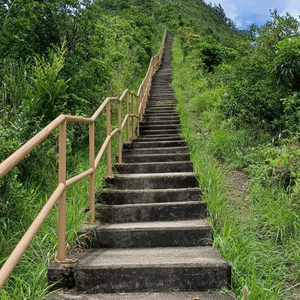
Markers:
point(258, 234)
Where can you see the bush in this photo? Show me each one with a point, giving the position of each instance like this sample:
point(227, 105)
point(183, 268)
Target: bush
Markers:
point(286, 65)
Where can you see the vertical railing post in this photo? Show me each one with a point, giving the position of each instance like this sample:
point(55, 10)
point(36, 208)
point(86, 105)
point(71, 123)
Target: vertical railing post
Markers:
point(142, 98)
point(109, 143)
point(141, 104)
point(62, 199)
point(92, 176)
point(120, 132)
point(138, 117)
point(132, 110)
point(127, 113)
point(145, 95)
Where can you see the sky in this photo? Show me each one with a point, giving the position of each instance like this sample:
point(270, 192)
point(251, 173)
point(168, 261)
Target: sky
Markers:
point(247, 12)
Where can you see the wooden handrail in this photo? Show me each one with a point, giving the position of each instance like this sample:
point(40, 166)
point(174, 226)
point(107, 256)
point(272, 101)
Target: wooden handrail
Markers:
point(16, 157)
point(60, 192)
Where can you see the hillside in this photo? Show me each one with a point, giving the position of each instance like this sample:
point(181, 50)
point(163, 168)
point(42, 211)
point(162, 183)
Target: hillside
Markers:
point(239, 106)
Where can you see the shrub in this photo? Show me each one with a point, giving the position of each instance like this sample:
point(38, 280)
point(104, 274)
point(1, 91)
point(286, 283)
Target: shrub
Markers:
point(286, 65)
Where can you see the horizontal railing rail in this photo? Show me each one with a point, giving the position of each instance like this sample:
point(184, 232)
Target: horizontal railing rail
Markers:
point(59, 195)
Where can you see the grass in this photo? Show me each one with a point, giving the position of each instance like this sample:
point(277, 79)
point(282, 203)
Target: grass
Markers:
point(258, 231)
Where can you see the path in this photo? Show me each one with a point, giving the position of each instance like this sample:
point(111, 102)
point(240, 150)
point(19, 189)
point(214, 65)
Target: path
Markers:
point(153, 241)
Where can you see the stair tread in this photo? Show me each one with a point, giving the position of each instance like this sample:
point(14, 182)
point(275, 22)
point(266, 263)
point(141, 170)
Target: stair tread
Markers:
point(183, 203)
point(148, 257)
point(158, 225)
point(156, 154)
point(210, 295)
point(160, 149)
point(153, 191)
point(156, 163)
point(157, 175)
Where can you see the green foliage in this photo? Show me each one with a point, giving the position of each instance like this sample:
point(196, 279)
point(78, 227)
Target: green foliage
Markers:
point(205, 49)
point(48, 89)
point(14, 86)
point(256, 230)
point(262, 81)
point(58, 58)
point(287, 63)
point(197, 15)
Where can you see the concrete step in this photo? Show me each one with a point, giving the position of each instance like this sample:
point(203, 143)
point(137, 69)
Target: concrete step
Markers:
point(160, 122)
point(116, 197)
point(161, 99)
point(161, 157)
point(155, 150)
point(158, 126)
point(154, 144)
point(169, 111)
point(158, 99)
point(154, 110)
point(163, 83)
point(159, 131)
point(143, 270)
point(150, 212)
point(210, 295)
point(161, 107)
point(161, 118)
point(160, 114)
point(154, 167)
point(158, 137)
point(166, 95)
point(161, 103)
point(165, 107)
point(159, 89)
point(183, 233)
point(161, 95)
point(155, 181)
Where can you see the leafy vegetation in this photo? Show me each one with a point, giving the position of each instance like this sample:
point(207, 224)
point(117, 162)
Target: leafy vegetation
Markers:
point(60, 57)
point(238, 104)
point(238, 96)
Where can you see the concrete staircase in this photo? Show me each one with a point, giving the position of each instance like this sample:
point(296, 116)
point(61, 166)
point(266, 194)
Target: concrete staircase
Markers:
point(152, 241)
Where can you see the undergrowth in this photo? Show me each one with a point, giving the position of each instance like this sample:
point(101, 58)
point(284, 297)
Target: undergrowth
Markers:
point(259, 235)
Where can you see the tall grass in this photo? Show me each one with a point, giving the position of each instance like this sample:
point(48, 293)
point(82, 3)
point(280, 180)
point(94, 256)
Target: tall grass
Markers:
point(258, 234)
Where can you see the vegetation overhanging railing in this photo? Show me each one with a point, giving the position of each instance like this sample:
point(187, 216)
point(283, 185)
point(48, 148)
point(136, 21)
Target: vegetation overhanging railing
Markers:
point(60, 192)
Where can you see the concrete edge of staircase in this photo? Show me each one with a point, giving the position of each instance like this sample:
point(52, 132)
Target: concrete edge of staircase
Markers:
point(211, 295)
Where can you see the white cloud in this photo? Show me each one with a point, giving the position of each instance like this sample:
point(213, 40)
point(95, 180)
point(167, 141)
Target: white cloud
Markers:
point(292, 7)
point(238, 23)
point(249, 22)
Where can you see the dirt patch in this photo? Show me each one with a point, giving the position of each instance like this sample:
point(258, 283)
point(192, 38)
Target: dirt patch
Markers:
point(237, 184)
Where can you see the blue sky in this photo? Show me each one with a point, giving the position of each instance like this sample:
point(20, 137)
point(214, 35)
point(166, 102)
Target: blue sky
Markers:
point(247, 12)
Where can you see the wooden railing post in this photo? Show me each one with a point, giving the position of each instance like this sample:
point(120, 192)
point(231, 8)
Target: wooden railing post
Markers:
point(132, 111)
point(62, 199)
point(109, 172)
point(141, 104)
point(138, 118)
point(120, 131)
point(144, 97)
point(127, 113)
point(92, 176)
